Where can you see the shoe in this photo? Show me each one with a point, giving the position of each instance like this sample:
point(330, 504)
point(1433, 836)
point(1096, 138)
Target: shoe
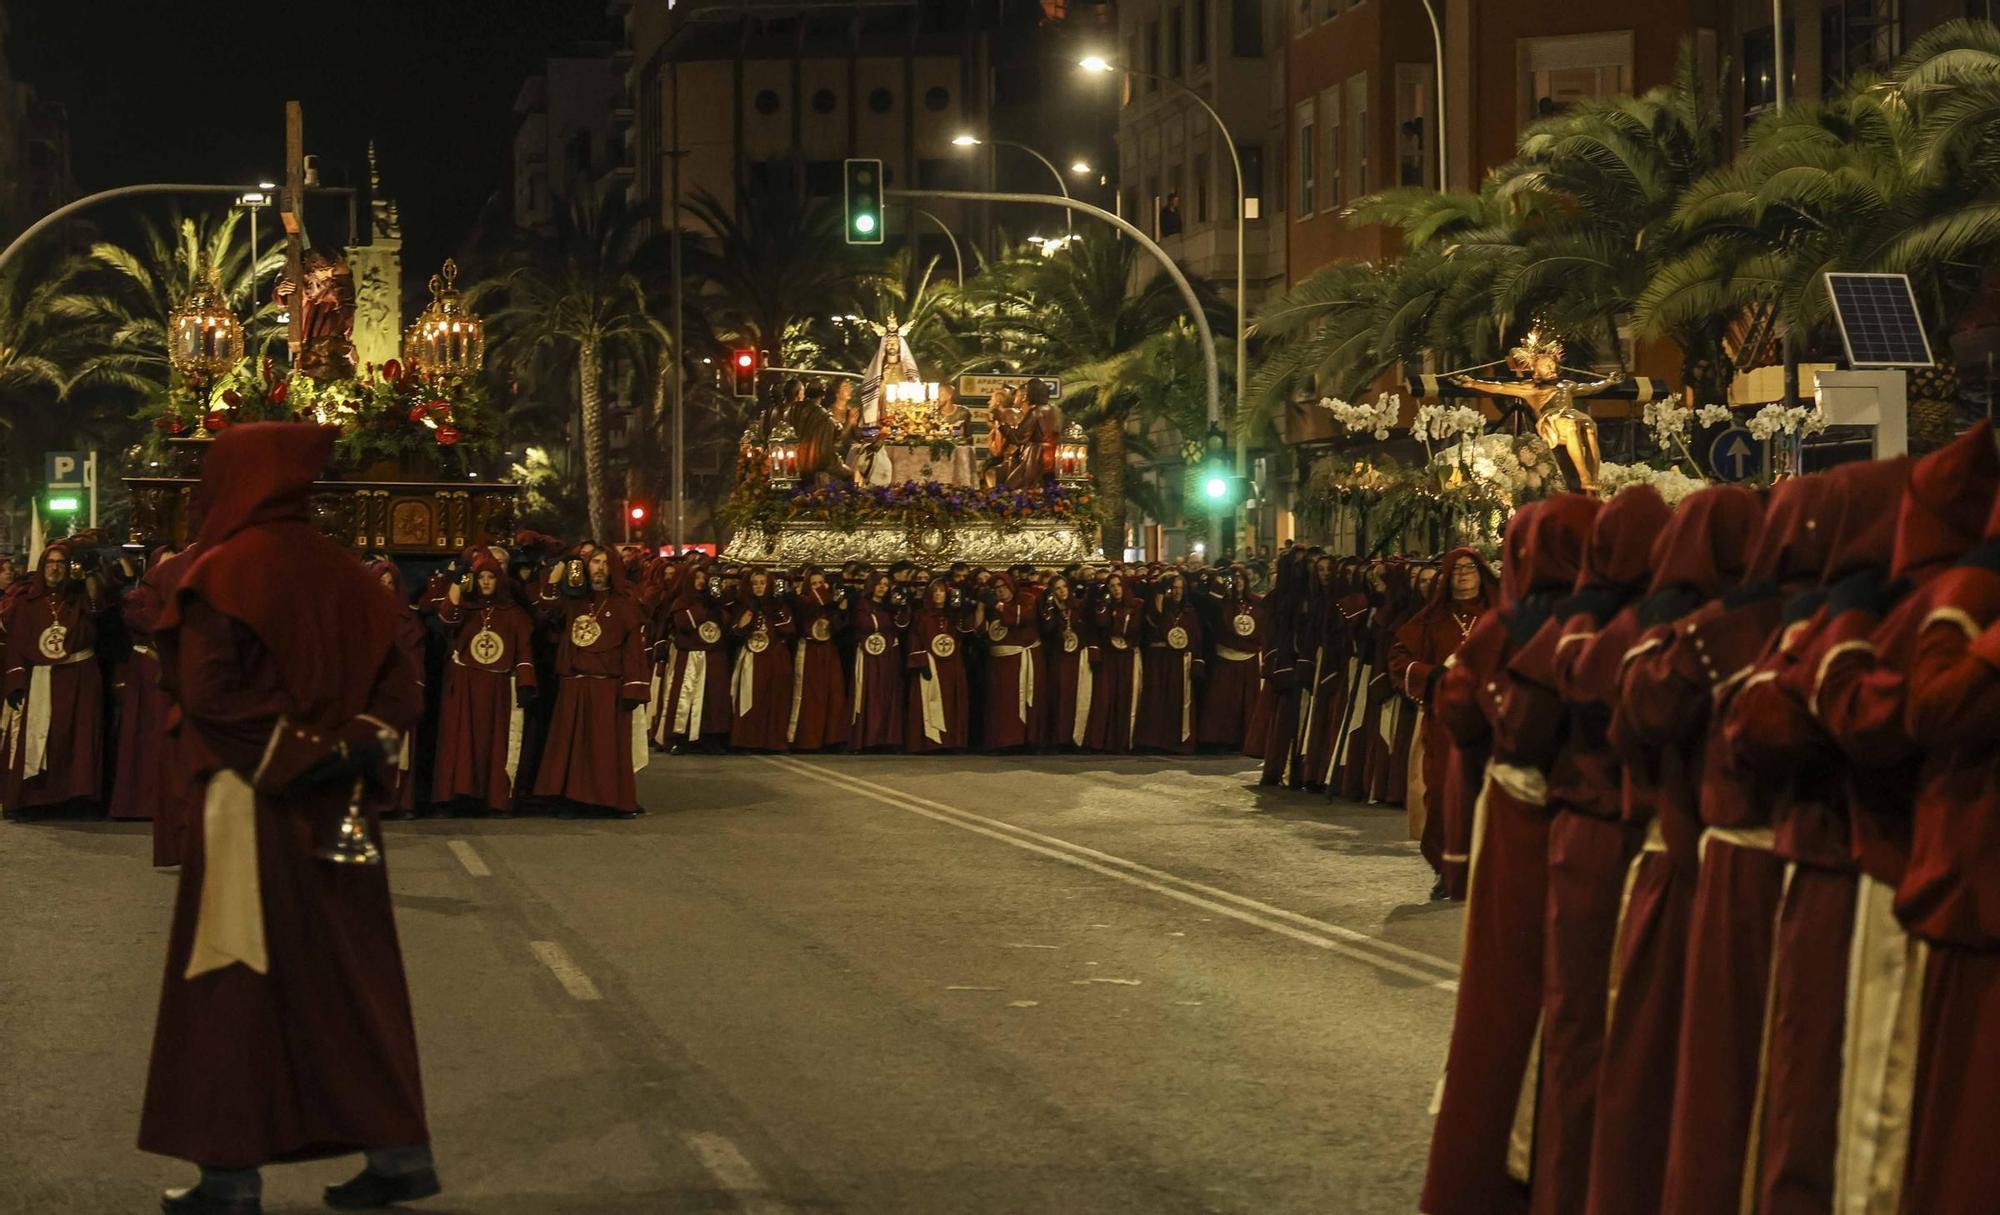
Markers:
point(370, 1189)
point(192, 1201)
point(1439, 893)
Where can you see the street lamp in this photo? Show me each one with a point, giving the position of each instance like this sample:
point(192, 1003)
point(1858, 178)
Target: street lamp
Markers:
point(254, 201)
point(969, 140)
point(1079, 167)
point(1098, 63)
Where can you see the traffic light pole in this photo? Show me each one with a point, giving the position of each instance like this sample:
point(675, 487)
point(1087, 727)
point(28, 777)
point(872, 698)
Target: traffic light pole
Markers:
point(1214, 385)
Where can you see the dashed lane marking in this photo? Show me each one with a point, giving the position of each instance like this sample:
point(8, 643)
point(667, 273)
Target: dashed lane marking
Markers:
point(567, 972)
point(468, 858)
point(1414, 964)
point(737, 1176)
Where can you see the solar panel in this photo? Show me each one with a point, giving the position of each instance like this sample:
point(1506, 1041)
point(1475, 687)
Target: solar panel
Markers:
point(1878, 320)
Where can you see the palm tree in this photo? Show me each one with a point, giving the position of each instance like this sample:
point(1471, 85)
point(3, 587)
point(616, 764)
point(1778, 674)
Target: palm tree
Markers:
point(775, 258)
point(1073, 313)
point(572, 298)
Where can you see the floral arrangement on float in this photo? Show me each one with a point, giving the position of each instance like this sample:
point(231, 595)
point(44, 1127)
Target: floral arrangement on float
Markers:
point(915, 507)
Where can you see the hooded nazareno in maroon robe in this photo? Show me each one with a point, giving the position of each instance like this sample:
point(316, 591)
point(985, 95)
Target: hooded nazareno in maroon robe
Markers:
point(761, 681)
point(1015, 710)
point(1116, 688)
point(138, 784)
point(488, 681)
point(695, 706)
point(281, 651)
point(1437, 797)
point(1474, 1166)
point(1590, 846)
point(55, 689)
point(1169, 696)
point(1284, 611)
point(877, 628)
point(1701, 552)
point(596, 739)
point(1069, 637)
point(1229, 698)
point(937, 715)
point(820, 708)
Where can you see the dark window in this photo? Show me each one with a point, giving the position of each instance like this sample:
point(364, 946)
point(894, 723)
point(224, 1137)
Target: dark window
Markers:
point(881, 100)
point(1760, 81)
point(824, 101)
point(1200, 16)
point(936, 99)
point(825, 177)
point(1246, 29)
point(1175, 34)
point(767, 102)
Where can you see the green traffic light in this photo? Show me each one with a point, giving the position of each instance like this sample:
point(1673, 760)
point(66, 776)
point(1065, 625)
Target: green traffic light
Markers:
point(1216, 488)
point(65, 505)
point(864, 223)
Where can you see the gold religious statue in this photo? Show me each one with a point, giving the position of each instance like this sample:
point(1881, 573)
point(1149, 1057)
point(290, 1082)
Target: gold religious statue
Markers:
point(1570, 433)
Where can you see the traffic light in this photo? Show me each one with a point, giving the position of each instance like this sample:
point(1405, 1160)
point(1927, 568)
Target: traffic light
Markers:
point(1221, 487)
point(743, 371)
point(864, 202)
point(65, 503)
point(638, 513)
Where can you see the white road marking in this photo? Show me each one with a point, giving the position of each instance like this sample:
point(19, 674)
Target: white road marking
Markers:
point(1033, 947)
point(1357, 946)
point(1024, 1003)
point(468, 858)
point(567, 972)
point(738, 1177)
point(967, 987)
point(1119, 982)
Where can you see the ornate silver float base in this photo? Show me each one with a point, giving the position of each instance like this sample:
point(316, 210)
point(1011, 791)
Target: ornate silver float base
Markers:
point(1045, 543)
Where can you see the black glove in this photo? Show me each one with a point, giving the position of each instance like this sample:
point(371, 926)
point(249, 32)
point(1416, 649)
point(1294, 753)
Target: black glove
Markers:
point(1986, 556)
point(1802, 605)
point(1862, 591)
point(924, 671)
point(337, 770)
point(629, 703)
point(1431, 682)
point(1526, 618)
point(17, 699)
point(524, 697)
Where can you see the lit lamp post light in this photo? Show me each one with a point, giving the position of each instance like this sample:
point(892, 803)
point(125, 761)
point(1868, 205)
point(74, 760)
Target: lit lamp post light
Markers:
point(969, 140)
point(446, 340)
point(204, 338)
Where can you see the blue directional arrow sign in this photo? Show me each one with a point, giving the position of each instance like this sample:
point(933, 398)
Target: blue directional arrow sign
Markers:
point(1735, 455)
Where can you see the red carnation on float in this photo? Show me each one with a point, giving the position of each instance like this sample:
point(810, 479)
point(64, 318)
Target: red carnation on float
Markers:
point(280, 390)
point(447, 435)
point(392, 371)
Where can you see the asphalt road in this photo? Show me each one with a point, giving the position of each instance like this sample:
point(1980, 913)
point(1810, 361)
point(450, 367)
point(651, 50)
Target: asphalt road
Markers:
point(827, 984)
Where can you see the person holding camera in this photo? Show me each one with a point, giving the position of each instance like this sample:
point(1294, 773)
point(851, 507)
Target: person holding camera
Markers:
point(1173, 669)
point(937, 715)
point(695, 711)
point(879, 618)
point(597, 736)
point(761, 685)
point(820, 708)
point(54, 684)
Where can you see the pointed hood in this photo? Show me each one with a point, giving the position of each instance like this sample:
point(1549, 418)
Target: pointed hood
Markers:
point(1797, 533)
point(1945, 505)
point(259, 472)
point(1544, 546)
point(1864, 525)
point(1619, 553)
point(1706, 545)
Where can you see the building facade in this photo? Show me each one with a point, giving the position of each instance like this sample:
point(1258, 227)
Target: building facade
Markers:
point(565, 132)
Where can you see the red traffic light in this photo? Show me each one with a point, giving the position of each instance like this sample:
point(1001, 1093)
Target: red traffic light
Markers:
point(746, 359)
point(638, 513)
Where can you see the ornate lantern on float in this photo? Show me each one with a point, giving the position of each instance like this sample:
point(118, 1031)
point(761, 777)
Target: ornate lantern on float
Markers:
point(446, 340)
point(1073, 455)
point(204, 338)
point(783, 451)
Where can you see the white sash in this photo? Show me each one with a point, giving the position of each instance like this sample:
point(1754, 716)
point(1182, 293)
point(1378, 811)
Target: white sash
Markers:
point(1026, 653)
point(860, 681)
point(798, 689)
point(642, 754)
point(514, 722)
point(1187, 695)
point(1081, 726)
point(694, 695)
point(39, 707)
point(229, 927)
point(1138, 682)
point(743, 688)
point(934, 723)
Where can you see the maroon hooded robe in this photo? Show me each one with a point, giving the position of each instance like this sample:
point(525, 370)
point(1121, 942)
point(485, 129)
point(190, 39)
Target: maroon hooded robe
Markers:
point(281, 651)
point(1116, 689)
point(1015, 710)
point(488, 681)
point(761, 681)
point(1069, 637)
point(1590, 847)
point(138, 784)
point(1235, 685)
point(51, 660)
point(1169, 696)
point(820, 708)
point(937, 716)
point(593, 749)
point(410, 636)
point(695, 707)
point(878, 627)
point(1474, 1168)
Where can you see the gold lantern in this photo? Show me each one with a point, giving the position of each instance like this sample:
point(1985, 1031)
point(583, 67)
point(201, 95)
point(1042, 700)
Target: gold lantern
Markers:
point(204, 338)
point(1073, 455)
point(446, 339)
point(783, 450)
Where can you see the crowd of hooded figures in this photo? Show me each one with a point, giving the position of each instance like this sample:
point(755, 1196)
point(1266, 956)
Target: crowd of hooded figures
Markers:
point(1731, 772)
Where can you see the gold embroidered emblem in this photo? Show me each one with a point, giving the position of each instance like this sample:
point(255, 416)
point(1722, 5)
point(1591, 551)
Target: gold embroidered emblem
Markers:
point(55, 642)
point(1177, 637)
point(584, 632)
point(1245, 625)
point(944, 645)
point(876, 644)
point(486, 647)
point(709, 632)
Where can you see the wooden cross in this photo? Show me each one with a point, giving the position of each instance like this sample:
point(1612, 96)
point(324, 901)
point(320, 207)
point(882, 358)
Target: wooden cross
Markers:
point(293, 214)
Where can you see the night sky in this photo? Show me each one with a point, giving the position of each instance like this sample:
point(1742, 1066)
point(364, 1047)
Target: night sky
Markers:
point(196, 91)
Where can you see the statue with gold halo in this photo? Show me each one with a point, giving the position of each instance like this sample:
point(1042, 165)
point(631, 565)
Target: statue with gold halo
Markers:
point(1569, 432)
